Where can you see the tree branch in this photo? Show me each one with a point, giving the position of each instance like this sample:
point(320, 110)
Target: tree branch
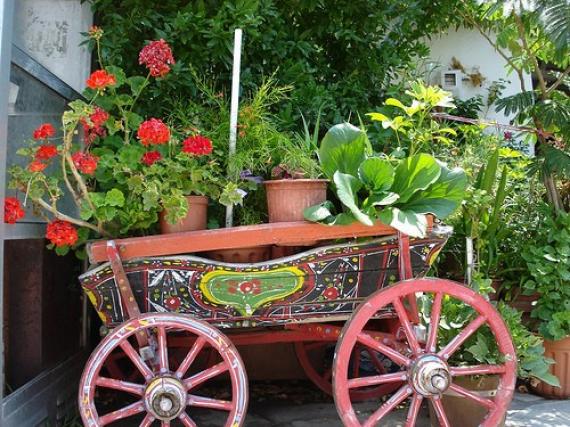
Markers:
point(558, 81)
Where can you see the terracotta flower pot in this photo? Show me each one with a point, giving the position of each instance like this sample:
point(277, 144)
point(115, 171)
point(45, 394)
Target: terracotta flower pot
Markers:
point(248, 255)
point(196, 219)
point(288, 198)
point(462, 412)
point(560, 352)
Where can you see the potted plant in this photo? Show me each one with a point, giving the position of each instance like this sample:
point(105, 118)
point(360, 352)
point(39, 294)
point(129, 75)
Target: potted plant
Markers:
point(481, 348)
point(104, 155)
point(547, 259)
point(295, 184)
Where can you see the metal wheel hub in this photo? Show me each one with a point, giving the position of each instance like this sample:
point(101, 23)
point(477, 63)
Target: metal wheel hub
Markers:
point(165, 398)
point(430, 375)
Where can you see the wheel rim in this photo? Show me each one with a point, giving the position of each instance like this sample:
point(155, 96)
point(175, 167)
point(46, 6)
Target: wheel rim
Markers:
point(167, 392)
point(321, 376)
point(426, 370)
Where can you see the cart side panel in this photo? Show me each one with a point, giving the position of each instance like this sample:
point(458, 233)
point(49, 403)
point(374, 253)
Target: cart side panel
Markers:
point(321, 283)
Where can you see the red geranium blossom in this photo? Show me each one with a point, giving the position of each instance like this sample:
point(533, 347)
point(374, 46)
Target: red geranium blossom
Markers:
point(95, 32)
point(153, 131)
point(36, 166)
point(12, 210)
point(99, 116)
point(157, 56)
point(61, 233)
point(197, 145)
point(85, 162)
point(45, 130)
point(46, 152)
point(151, 157)
point(100, 79)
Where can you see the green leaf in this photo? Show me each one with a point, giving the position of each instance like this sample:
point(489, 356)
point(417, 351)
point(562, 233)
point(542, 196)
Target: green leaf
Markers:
point(115, 197)
point(118, 73)
point(133, 120)
point(413, 174)
point(410, 223)
point(382, 199)
point(320, 212)
point(377, 174)
point(347, 187)
point(343, 149)
point(442, 197)
point(136, 83)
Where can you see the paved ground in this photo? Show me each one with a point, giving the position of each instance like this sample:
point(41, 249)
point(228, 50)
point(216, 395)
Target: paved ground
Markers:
point(527, 410)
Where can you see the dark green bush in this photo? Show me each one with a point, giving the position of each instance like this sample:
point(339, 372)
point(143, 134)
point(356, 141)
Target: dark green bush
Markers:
point(341, 53)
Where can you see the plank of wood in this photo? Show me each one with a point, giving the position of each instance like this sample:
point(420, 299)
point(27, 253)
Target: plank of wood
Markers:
point(284, 233)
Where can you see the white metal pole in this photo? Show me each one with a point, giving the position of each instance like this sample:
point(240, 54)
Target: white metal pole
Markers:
point(234, 109)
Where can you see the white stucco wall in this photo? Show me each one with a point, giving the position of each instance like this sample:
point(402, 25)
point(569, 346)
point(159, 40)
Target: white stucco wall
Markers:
point(49, 31)
point(472, 50)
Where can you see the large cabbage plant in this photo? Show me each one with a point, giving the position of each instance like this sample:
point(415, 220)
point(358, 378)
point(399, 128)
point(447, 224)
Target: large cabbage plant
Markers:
point(370, 188)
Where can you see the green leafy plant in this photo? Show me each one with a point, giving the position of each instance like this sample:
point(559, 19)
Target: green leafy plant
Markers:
point(547, 258)
point(481, 348)
point(399, 192)
point(125, 169)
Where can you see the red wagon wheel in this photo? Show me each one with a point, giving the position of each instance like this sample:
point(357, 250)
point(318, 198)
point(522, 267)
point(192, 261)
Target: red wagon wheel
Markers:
point(426, 370)
point(165, 392)
point(316, 361)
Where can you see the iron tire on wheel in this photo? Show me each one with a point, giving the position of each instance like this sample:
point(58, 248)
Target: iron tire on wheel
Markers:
point(166, 393)
point(423, 360)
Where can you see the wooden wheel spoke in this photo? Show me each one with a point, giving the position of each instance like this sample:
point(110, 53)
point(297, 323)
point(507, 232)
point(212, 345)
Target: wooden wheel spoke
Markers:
point(201, 377)
point(148, 420)
point(388, 406)
point(328, 374)
point(186, 420)
point(406, 324)
point(356, 362)
point(127, 387)
point(209, 403)
point(435, 315)
point(377, 364)
point(487, 403)
point(162, 349)
point(440, 412)
point(477, 370)
point(414, 410)
point(165, 423)
point(190, 357)
point(136, 359)
point(458, 341)
point(119, 414)
point(379, 347)
point(376, 380)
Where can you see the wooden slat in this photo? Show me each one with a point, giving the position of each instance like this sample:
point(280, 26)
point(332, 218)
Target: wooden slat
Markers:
point(284, 233)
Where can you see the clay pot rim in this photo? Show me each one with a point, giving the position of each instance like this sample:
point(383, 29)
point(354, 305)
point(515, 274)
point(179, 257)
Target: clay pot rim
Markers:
point(289, 180)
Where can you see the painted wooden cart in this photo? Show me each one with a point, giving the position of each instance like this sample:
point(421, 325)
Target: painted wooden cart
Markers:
point(357, 300)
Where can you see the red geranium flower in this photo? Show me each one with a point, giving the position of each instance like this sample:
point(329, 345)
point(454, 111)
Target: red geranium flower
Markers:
point(197, 145)
point(157, 57)
point(331, 293)
point(12, 210)
point(46, 152)
point(45, 130)
point(99, 117)
point(153, 131)
point(85, 162)
point(100, 79)
point(151, 157)
point(36, 166)
point(61, 233)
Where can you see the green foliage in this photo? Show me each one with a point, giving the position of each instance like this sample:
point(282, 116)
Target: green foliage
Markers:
point(547, 258)
point(481, 347)
point(340, 53)
point(400, 192)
